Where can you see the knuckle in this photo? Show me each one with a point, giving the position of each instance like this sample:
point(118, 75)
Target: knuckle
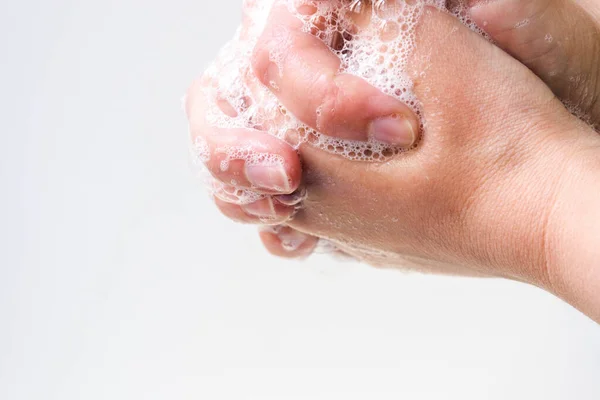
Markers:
point(327, 102)
point(259, 60)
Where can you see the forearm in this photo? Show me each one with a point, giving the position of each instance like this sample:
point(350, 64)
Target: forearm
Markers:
point(573, 241)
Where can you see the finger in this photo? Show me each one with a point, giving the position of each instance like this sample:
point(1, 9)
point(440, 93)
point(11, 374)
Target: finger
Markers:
point(262, 212)
point(303, 73)
point(269, 211)
point(250, 159)
point(242, 157)
point(293, 199)
point(556, 39)
point(235, 212)
point(467, 99)
point(286, 242)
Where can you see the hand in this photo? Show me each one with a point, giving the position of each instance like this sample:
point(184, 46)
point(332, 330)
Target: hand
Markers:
point(558, 40)
point(477, 195)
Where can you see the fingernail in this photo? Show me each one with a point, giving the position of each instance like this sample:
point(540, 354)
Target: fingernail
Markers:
point(292, 199)
point(263, 209)
point(271, 177)
point(291, 239)
point(395, 130)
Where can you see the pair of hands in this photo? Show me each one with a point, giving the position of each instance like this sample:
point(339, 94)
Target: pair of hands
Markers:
point(503, 181)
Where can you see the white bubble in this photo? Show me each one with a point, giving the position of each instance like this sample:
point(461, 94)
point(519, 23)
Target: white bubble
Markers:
point(249, 154)
point(200, 151)
point(522, 24)
point(233, 195)
point(378, 53)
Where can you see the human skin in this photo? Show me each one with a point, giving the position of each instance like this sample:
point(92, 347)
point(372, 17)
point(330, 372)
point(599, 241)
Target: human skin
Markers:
point(559, 40)
point(503, 182)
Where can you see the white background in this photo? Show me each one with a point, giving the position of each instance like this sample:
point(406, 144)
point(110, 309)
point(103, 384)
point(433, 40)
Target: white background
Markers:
point(119, 280)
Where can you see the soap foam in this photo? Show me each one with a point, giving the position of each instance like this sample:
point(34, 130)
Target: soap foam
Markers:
point(377, 51)
point(200, 151)
point(234, 195)
point(247, 154)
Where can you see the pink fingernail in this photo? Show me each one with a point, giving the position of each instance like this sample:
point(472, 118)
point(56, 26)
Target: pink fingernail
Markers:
point(262, 209)
point(272, 177)
point(395, 130)
point(292, 240)
point(292, 199)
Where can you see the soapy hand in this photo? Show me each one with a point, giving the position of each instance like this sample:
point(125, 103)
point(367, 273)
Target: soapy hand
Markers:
point(484, 191)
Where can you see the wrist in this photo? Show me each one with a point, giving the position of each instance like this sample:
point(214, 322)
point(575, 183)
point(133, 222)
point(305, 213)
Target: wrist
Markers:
point(572, 242)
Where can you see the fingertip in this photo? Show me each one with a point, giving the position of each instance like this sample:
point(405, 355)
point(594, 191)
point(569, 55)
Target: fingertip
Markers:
point(279, 171)
point(249, 159)
point(293, 199)
point(235, 213)
point(264, 211)
point(269, 211)
point(357, 110)
point(286, 242)
point(396, 130)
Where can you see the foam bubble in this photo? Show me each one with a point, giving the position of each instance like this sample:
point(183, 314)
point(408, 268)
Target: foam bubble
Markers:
point(248, 154)
point(232, 194)
point(373, 39)
point(200, 151)
point(377, 51)
point(522, 24)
